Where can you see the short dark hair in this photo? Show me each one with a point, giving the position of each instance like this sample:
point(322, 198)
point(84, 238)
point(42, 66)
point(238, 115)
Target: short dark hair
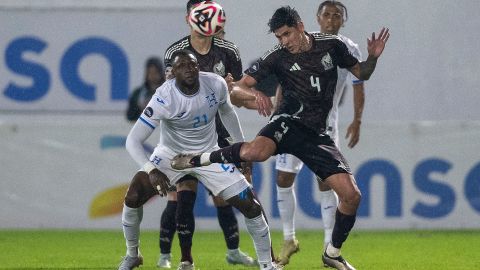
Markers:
point(192, 3)
point(285, 15)
point(334, 3)
point(182, 53)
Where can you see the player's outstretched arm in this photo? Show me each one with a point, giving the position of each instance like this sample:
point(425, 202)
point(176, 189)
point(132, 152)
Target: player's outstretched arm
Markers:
point(237, 98)
point(375, 47)
point(243, 90)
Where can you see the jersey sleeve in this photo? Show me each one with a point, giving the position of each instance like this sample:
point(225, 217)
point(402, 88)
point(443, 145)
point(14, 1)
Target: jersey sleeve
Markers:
point(355, 51)
point(170, 51)
point(345, 59)
point(157, 109)
point(235, 63)
point(223, 90)
point(167, 58)
point(264, 67)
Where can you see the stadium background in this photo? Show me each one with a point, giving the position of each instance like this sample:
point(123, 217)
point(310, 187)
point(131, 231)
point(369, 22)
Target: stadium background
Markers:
point(66, 68)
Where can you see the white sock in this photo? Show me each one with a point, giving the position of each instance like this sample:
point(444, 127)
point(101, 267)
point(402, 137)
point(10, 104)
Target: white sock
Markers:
point(286, 206)
point(332, 251)
point(328, 205)
point(233, 251)
point(131, 219)
point(260, 233)
point(205, 159)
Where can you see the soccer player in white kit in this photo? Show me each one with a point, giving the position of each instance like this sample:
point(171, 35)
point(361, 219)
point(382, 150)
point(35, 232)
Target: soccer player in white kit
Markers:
point(331, 15)
point(185, 109)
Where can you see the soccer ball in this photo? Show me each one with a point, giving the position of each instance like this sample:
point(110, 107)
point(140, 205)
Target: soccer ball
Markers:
point(207, 18)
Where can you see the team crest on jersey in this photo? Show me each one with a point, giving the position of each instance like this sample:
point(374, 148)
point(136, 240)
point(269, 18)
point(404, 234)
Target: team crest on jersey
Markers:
point(254, 68)
point(211, 99)
point(219, 68)
point(278, 136)
point(148, 112)
point(327, 62)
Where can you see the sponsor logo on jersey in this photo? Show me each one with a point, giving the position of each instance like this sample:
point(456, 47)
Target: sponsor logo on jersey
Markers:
point(161, 100)
point(295, 67)
point(219, 68)
point(327, 62)
point(180, 114)
point(148, 112)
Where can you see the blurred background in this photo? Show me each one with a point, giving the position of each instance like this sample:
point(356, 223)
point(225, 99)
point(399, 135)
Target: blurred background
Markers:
point(67, 69)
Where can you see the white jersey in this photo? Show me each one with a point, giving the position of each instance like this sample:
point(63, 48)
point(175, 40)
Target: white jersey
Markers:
point(187, 123)
point(343, 82)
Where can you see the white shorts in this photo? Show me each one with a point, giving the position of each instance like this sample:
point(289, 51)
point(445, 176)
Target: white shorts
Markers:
point(223, 180)
point(288, 163)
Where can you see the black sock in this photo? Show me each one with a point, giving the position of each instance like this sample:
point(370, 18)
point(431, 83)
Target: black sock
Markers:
point(343, 225)
point(229, 154)
point(228, 222)
point(167, 227)
point(185, 222)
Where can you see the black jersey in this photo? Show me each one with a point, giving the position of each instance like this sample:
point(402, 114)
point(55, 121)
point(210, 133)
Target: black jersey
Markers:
point(308, 79)
point(222, 58)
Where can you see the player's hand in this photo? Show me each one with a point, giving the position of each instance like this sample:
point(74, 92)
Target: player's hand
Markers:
point(353, 131)
point(229, 80)
point(159, 182)
point(264, 104)
point(375, 46)
point(246, 170)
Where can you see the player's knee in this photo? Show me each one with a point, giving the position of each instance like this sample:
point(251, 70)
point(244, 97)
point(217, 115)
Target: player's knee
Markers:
point(353, 198)
point(132, 198)
point(253, 209)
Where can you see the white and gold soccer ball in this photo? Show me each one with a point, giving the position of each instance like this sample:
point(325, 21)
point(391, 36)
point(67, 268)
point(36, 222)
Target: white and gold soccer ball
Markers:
point(207, 18)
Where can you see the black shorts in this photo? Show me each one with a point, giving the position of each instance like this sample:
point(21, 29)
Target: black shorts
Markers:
point(317, 151)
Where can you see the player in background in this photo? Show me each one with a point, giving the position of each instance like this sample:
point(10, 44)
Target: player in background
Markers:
point(154, 77)
point(306, 65)
point(222, 57)
point(186, 121)
point(331, 16)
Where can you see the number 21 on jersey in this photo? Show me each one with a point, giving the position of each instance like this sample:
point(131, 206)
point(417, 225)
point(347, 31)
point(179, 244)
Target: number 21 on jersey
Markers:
point(200, 120)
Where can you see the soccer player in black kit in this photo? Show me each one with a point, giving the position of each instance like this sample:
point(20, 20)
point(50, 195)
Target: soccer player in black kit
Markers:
point(306, 66)
point(223, 58)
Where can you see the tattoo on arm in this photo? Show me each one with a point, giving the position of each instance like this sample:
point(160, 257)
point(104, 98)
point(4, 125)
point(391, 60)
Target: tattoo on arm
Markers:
point(367, 67)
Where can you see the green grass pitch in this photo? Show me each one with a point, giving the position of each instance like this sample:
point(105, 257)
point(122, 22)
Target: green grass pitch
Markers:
point(366, 250)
